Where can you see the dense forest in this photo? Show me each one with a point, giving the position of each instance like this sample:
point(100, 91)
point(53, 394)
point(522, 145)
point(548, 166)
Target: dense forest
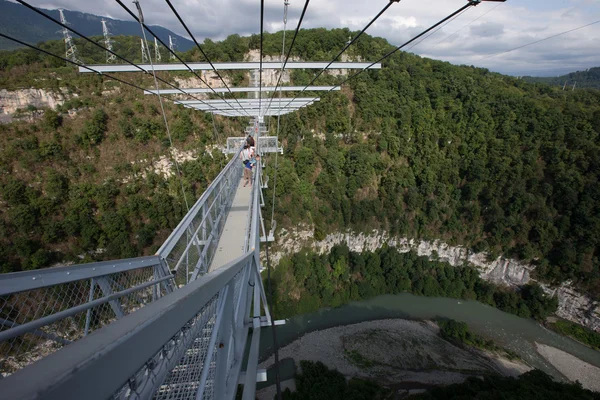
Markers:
point(316, 381)
point(421, 149)
point(308, 281)
point(81, 183)
point(533, 385)
point(581, 79)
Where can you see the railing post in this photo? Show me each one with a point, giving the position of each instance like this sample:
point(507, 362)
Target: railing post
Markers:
point(169, 285)
point(224, 343)
point(224, 293)
point(204, 234)
point(107, 290)
point(88, 314)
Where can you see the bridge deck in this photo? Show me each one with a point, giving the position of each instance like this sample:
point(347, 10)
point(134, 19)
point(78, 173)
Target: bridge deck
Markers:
point(231, 243)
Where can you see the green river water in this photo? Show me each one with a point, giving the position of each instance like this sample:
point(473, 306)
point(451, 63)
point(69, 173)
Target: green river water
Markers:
point(507, 330)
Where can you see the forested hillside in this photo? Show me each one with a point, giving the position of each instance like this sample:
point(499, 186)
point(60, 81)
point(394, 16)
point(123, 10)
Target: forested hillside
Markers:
point(581, 79)
point(420, 148)
point(84, 181)
point(307, 282)
point(316, 381)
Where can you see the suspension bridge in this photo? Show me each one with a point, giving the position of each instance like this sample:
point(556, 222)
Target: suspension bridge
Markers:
point(184, 323)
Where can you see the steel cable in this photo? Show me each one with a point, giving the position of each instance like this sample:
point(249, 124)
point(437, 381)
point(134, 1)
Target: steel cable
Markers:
point(538, 41)
point(204, 54)
point(345, 47)
point(105, 49)
point(471, 3)
point(174, 54)
point(290, 49)
point(162, 107)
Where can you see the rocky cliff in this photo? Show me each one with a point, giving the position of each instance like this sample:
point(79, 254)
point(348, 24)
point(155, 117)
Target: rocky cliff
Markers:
point(11, 101)
point(572, 305)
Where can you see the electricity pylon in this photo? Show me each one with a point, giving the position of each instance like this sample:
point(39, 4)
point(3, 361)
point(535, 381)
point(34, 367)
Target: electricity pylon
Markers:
point(107, 42)
point(70, 49)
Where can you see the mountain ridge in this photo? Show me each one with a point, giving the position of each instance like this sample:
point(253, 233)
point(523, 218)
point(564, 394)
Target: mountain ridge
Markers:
point(590, 79)
point(24, 24)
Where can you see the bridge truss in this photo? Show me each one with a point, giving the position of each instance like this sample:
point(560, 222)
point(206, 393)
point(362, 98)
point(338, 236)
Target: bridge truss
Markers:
point(159, 326)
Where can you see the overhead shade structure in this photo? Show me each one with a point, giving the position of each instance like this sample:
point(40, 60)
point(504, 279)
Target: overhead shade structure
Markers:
point(252, 101)
point(253, 113)
point(250, 104)
point(264, 109)
point(252, 109)
point(226, 66)
point(244, 89)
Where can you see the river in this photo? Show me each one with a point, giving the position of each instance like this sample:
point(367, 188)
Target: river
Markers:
point(507, 330)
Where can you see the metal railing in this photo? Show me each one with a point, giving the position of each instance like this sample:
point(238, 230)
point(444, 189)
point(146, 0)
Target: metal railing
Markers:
point(42, 311)
point(266, 144)
point(183, 344)
point(191, 247)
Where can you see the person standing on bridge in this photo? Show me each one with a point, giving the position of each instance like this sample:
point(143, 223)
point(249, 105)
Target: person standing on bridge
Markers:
point(246, 156)
point(250, 141)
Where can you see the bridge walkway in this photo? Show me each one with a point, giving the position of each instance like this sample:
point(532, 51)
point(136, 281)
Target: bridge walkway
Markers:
point(233, 239)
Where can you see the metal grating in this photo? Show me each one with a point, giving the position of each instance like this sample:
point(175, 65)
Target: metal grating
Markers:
point(20, 308)
point(182, 381)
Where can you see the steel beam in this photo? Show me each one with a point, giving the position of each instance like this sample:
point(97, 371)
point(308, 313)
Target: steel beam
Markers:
point(227, 109)
point(245, 89)
point(252, 101)
point(119, 350)
point(226, 66)
point(248, 106)
point(254, 113)
point(28, 280)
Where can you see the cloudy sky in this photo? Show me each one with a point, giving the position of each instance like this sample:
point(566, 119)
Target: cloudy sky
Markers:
point(474, 38)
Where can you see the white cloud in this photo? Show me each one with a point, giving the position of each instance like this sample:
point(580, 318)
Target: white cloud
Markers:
point(509, 25)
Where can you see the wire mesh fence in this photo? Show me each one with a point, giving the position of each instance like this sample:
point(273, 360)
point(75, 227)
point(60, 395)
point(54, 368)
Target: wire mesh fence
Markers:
point(206, 352)
point(66, 312)
point(175, 371)
point(190, 250)
point(186, 350)
point(266, 144)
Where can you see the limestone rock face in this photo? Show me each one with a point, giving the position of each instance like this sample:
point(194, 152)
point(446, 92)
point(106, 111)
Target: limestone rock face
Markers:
point(572, 305)
point(10, 101)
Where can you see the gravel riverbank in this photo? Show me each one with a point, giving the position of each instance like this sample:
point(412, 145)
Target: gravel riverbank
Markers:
point(571, 367)
point(392, 351)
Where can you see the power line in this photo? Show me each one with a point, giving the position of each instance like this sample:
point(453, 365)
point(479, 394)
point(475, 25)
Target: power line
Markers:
point(105, 49)
point(471, 3)
point(464, 26)
point(43, 14)
point(69, 61)
point(170, 46)
point(437, 29)
point(79, 64)
point(347, 45)
point(203, 53)
point(172, 53)
point(538, 41)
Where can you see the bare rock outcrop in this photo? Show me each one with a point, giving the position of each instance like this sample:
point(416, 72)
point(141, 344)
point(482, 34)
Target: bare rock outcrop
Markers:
point(12, 100)
point(572, 305)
